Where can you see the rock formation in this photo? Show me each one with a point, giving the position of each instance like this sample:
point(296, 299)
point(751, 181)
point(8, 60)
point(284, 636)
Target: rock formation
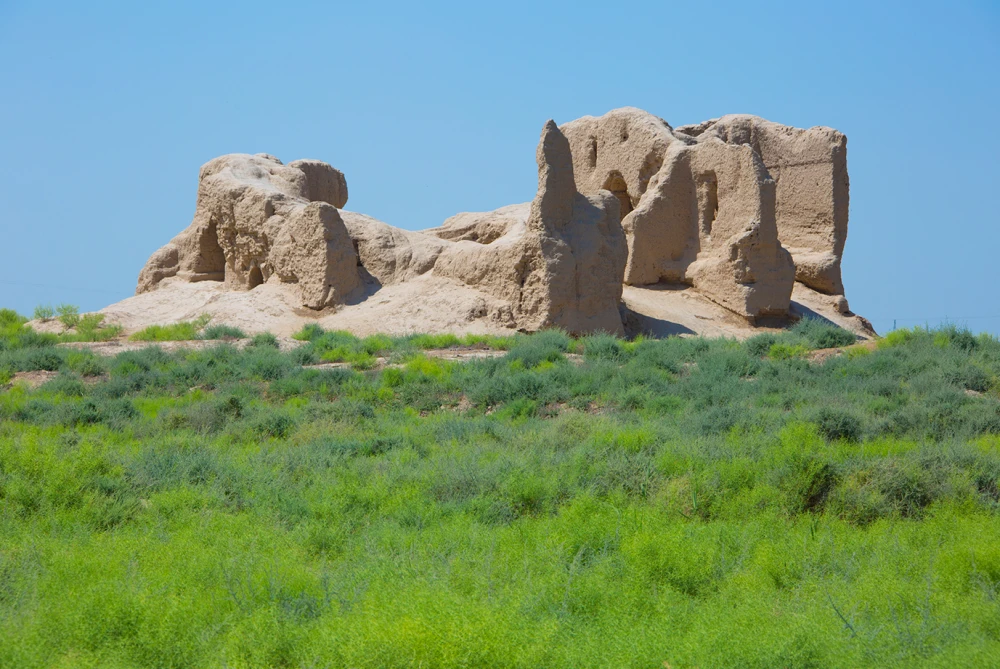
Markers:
point(256, 218)
point(809, 168)
point(557, 262)
point(561, 267)
point(713, 205)
point(737, 209)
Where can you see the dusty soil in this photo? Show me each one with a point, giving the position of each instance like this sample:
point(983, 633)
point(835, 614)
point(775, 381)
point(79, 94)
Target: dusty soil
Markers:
point(431, 304)
point(666, 310)
point(426, 304)
point(32, 379)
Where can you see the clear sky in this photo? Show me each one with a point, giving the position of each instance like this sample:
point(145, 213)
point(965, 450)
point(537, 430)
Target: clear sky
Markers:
point(108, 109)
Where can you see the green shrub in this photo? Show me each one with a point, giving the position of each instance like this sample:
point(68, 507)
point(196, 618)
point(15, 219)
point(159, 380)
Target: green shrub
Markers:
point(44, 313)
point(69, 315)
point(208, 417)
point(304, 355)
point(13, 334)
point(113, 412)
point(337, 344)
point(835, 423)
point(10, 318)
point(605, 347)
point(43, 359)
point(65, 384)
point(519, 408)
point(309, 332)
point(970, 377)
point(493, 342)
point(784, 351)
point(718, 419)
point(264, 340)
point(183, 331)
point(222, 332)
point(544, 346)
point(85, 363)
point(761, 344)
point(822, 334)
point(271, 424)
point(960, 338)
point(893, 487)
point(18, 337)
point(899, 337)
point(376, 345)
point(90, 327)
point(434, 341)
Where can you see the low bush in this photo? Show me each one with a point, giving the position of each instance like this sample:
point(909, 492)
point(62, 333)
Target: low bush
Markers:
point(309, 332)
point(182, 331)
point(545, 346)
point(14, 336)
point(822, 334)
point(222, 332)
point(761, 344)
point(605, 347)
point(785, 351)
point(42, 359)
point(10, 318)
point(91, 327)
point(69, 315)
point(65, 384)
point(264, 340)
point(434, 341)
point(837, 423)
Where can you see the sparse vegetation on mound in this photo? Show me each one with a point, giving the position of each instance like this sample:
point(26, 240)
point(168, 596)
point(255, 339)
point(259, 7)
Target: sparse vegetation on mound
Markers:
point(181, 331)
point(573, 502)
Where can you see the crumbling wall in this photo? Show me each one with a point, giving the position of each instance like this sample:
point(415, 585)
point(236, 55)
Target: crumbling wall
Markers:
point(737, 207)
point(255, 219)
point(809, 168)
point(564, 266)
point(701, 212)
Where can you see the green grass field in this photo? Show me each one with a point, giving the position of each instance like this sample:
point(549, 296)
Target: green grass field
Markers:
point(572, 503)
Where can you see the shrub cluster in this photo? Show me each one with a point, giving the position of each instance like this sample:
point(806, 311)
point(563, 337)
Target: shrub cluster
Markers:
point(229, 506)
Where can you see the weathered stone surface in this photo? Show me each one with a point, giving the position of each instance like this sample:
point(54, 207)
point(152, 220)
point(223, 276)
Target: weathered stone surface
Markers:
point(322, 182)
point(736, 209)
point(618, 152)
point(391, 255)
point(740, 263)
point(563, 266)
point(812, 195)
point(482, 227)
point(246, 205)
point(578, 250)
point(312, 249)
point(700, 213)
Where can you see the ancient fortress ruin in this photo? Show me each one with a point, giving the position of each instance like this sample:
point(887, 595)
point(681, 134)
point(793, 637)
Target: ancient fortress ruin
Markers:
point(738, 211)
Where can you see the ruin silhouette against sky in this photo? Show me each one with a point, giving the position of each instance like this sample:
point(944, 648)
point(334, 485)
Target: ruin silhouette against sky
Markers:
point(110, 109)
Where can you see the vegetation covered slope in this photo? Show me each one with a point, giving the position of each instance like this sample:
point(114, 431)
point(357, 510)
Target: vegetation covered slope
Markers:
point(573, 503)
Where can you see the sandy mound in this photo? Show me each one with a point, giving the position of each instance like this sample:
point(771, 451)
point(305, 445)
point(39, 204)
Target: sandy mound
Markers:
point(672, 309)
point(424, 304)
point(434, 304)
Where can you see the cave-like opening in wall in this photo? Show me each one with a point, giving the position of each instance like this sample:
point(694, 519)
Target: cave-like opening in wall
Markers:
point(210, 261)
point(616, 184)
point(708, 203)
point(255, 277)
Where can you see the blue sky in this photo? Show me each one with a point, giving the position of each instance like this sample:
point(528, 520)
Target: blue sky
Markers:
point(109, 109)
